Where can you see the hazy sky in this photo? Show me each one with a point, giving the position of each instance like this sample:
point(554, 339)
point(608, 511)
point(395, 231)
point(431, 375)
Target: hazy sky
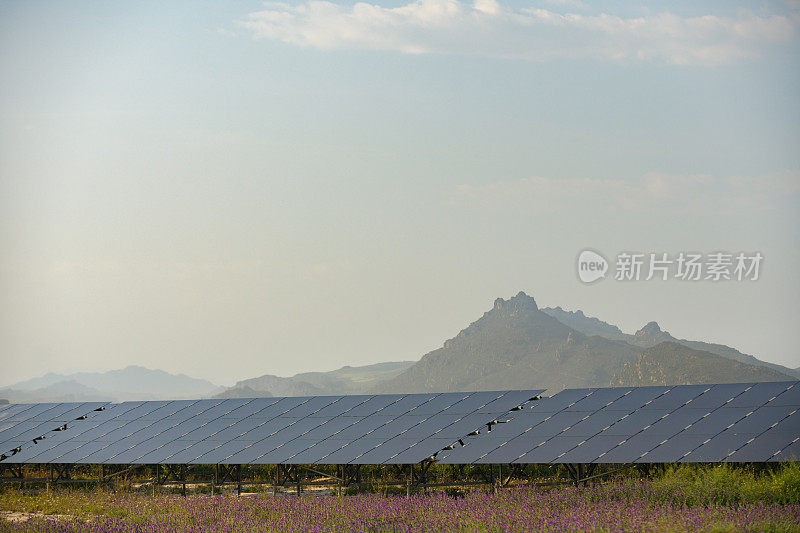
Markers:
point(239, 188)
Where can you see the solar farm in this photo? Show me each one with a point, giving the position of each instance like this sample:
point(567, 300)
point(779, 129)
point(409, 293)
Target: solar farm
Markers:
point(491, 437)
point(683, 458)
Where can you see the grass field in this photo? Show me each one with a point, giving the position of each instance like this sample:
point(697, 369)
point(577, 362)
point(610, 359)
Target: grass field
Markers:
point(684, 499)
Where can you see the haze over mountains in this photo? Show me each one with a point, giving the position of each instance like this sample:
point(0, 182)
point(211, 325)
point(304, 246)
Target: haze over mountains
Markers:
point(517, 345)
point(513, 345)
point(130, 383)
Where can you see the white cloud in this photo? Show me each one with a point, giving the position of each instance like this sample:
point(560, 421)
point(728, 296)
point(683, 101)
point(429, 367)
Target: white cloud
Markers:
point(488, 28)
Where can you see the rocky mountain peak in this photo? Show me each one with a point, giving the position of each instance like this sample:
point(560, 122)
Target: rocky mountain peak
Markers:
point(519, 302)
point(649, 329)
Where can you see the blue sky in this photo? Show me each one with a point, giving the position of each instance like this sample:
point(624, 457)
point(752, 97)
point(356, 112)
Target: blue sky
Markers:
point(248, 188)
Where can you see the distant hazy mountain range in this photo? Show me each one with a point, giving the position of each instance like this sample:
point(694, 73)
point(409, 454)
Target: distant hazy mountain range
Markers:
point(346, 380)
point(651, 334)
point(513, 345)
point(131, 383)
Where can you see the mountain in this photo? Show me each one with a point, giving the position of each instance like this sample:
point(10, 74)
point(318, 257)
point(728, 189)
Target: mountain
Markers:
point(130, 383)
point(61, 391)
point(346, 380)
point(671, 363)
point(651, 334)
point(516, 345)
point(585, 324)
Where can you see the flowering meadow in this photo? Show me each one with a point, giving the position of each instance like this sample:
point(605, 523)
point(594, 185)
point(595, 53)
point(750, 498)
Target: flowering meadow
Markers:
point(622, 505)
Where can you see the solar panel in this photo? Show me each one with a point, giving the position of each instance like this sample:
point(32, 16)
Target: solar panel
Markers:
point(511, 399)
point(789, 453)
point(551, 450)
point(315, 450)
point(341, 406)
point(593, 423)
point(599, 398)
point(637, 398)
point(727, 422)
point(560, 401)
point(375, 404)
point(719, 395)
point(673, 449)
point(791, 396)
point(677, 396)
point(416, 453)
point(628, 450)
point(759, 394)
point(474, 450)
point(589, 450)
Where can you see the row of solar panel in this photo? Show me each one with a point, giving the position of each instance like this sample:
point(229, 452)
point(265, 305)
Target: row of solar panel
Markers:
point(26, 423)
point(751, 422)
point(329, 429)
point(731, 422)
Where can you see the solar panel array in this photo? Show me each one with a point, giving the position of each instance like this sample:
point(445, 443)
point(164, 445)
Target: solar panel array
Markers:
point(24, 423)
point(749, 422)
point(366, 429)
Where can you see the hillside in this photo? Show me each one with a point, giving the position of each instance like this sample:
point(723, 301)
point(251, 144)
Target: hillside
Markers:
point(61, 391)
point(651, 334)
point(346, 380)
point(516, 345)
point(130, 383)
point(670, 363)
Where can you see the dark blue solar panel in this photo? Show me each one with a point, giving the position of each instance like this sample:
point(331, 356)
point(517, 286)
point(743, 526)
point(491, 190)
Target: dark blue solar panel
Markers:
point(763, 447)
point(251, 407)
point(315, 450)
point(414, 454)
point(759, 394)
point(558, 423)
point(408, 404)
point(548, 452)
point(590, 450)
point(631, 449)
point(341, 406)
point(517, 425)
point(279, 408)
point(635, 422)
point(676, 421)
point(789, 453)
point(718, 420)
point(593, 423)
point(237, 429)
point(312, 406)
point(474, 450)
point(673, 449)
point(510, 400)
point(599, 398)
point(637, 398)
point(560, 401)
point(719, 395)
point(761, 419)
point(677, 396)
point(374, 405)
point(513, 449)
point(441, 403)
point(790, 396)
point(719, 448)
point(194, 451)
point(474, 402)
point(363, 427)
point(352, 450)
